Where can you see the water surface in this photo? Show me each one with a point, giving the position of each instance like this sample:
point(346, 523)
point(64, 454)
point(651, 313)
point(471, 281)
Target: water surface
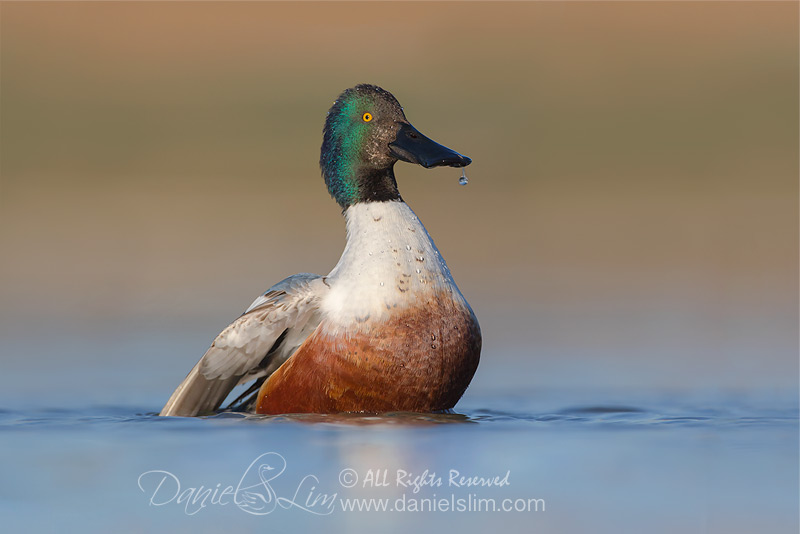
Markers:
point(586, 461)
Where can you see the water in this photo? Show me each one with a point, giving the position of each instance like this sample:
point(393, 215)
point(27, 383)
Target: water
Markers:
point(463, 180)
point(590, 461)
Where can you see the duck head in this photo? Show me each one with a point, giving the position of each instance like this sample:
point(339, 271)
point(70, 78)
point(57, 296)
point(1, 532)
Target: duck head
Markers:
point(365, 134)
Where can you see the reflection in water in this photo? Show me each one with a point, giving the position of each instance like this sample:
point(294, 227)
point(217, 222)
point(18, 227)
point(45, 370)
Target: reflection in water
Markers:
point(395, 418)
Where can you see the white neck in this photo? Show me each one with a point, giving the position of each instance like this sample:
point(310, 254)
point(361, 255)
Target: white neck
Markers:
point(389, 259)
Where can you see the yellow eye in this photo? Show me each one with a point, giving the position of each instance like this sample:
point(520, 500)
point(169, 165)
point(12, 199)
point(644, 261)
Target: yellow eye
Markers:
point(367, 117)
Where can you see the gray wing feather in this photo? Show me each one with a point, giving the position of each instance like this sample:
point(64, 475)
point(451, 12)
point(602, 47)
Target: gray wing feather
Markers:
point(246, 349)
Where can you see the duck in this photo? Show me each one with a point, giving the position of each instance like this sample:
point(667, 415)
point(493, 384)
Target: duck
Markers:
point(387, 330)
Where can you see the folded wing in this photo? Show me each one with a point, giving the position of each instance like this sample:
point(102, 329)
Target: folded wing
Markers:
point(253, 346)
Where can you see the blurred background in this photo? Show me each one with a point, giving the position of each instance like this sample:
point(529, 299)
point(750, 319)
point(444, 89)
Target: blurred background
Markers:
point(630, 222)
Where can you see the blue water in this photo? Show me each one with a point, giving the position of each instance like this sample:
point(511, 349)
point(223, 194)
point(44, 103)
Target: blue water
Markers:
point(589, 461)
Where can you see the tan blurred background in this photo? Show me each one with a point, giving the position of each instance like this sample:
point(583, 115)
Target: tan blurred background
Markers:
point(631, 217)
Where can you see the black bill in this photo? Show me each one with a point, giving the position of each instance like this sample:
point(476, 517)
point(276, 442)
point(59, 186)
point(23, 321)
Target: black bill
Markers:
point(413, 147)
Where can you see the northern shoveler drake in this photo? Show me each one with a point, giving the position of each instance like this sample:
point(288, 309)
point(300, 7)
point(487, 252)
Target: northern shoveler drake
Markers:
point(387, 329)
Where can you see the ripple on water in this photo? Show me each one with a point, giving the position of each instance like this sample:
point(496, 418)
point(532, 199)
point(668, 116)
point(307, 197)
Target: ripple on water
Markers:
point(588, 416)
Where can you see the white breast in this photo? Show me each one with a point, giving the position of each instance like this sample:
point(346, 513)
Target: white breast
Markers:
point(389, 259)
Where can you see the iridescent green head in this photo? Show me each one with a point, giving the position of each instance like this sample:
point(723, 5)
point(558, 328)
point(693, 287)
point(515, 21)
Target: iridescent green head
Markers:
point(366, 132)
